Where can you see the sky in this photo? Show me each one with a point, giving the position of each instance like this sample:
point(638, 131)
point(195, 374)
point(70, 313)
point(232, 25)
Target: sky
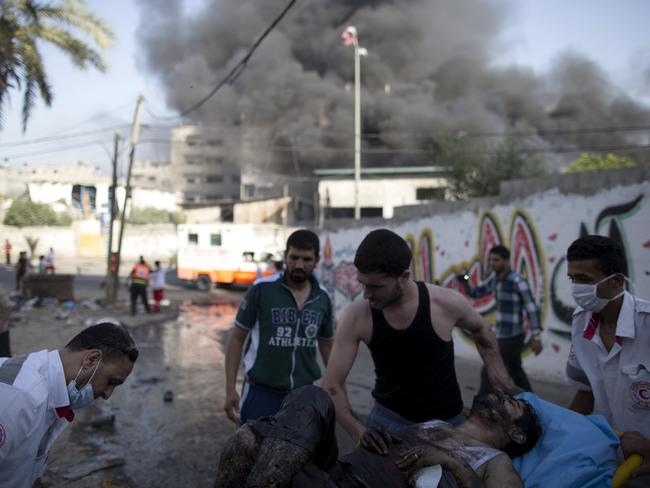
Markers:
point(611, 33)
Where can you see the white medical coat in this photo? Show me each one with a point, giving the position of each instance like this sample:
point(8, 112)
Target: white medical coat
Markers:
point(30, 393)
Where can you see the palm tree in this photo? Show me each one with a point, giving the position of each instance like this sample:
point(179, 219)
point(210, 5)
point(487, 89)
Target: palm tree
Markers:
point(26, 23)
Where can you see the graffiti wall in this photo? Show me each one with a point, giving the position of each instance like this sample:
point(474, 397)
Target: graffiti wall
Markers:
point(537, 229)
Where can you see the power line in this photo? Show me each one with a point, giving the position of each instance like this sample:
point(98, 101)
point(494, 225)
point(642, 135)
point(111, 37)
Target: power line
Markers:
point(53, 150)
point(61, 138)
point(236, 70)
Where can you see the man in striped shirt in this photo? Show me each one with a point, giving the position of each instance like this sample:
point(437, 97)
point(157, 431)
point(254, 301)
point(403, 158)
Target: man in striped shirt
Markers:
point(513, 297)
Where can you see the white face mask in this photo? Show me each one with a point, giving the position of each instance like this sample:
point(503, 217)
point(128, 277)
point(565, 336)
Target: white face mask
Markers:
point(587, 298)
point(84, 396)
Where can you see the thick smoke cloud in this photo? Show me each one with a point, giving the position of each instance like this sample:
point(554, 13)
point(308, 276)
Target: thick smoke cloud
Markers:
point(429, 70)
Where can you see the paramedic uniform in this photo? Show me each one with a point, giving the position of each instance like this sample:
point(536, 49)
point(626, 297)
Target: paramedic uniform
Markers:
point(34, 410)
point(619, 379)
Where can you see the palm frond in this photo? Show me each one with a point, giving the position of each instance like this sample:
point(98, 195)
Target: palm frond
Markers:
point(81, 53)
point(75, 13)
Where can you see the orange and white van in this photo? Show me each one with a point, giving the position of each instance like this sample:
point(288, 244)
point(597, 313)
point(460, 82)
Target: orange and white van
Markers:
point(210, 254)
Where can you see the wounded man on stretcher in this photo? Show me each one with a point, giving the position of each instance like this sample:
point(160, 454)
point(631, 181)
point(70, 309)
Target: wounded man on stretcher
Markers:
point(297, 448)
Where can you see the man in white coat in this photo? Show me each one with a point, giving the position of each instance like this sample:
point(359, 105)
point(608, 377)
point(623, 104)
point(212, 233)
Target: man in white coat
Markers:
point(39, 393)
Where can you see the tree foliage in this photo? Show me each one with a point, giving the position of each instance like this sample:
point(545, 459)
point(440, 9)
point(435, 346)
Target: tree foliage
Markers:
point(476, 169)
point(23, 212)
point(26, 23)
point(151, 215)
point(597, 162)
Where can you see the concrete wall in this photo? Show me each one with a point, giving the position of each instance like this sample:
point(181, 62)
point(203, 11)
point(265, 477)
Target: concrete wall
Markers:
point(85, 239)
point(537, 219)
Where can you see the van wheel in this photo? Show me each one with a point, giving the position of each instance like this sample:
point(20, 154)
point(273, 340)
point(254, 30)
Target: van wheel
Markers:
point(204, 283)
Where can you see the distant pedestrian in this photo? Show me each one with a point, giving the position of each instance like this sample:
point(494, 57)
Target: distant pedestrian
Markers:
point(139, 281)
point(22, 267)
point(513, 298)
point(41, 264)
point(158, 284)
point(49, 262)
point(8, 252)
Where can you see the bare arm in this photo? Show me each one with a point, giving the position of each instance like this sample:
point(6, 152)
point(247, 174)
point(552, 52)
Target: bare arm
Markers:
point(583, 402)
point(500, 473)
point(486, 343)
point(325, 348)
point(233, 359)
point(344, 352)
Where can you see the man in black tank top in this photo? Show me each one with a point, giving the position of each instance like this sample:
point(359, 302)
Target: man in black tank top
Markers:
point(297, 447)
point(407, 326)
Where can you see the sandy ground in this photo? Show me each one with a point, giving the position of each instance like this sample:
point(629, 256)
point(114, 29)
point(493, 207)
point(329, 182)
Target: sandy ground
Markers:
point(177, 443)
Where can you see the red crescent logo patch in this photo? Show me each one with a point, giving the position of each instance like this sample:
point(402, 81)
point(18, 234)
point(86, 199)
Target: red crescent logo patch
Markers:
point(640, 391)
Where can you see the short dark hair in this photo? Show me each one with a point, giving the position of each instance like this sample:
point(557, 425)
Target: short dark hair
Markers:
point(501, 251)
point(529, 424)
point(304, 239)
point(607, 255)
point(383, 251)
point(113, 340)
point(157, 263)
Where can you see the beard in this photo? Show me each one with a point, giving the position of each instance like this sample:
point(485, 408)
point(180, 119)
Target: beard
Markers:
point(298, 276)
point(395, 295)
point(491, 409)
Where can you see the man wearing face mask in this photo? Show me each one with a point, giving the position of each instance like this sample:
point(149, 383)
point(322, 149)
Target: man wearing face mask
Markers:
point(609, 362)
point(39, 393)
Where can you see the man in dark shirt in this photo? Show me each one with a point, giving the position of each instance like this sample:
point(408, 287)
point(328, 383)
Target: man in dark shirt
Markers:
point(297, 447)
point(407, 326)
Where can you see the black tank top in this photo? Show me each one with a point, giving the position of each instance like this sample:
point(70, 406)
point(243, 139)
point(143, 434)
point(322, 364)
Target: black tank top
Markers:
point(414, 367)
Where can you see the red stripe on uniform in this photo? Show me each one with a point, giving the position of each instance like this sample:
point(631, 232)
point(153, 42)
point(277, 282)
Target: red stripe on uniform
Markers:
point(591, 326)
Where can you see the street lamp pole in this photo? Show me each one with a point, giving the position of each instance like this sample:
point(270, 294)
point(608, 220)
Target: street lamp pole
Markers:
point(350, 38)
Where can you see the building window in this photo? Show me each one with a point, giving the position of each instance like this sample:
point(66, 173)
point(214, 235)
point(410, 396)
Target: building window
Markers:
point(215, 179)
point(193, 239)
point(215, 239)
point(249, 191)
point(190, 180)
point(236, 178)
point(429, 193)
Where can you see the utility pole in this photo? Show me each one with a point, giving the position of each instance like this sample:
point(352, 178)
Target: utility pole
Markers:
point(110, 279)
point(135, 132)
point(350, 39)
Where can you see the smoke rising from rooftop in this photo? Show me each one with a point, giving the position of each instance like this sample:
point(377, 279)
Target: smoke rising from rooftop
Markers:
point(429, 70)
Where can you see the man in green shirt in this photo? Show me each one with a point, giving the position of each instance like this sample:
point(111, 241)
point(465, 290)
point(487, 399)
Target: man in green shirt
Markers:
point(285, 317)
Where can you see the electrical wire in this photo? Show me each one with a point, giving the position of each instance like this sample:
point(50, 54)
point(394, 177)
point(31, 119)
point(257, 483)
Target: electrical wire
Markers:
point(236, 71)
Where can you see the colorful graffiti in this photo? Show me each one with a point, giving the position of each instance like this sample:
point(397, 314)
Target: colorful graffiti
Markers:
point(538, 230)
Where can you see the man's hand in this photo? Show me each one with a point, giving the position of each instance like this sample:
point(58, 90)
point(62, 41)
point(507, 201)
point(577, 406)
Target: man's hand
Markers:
point(634, 443)
point(378, 440)
point(231, 406)
point(420, 457)
point(536, 345)
point(503, 384)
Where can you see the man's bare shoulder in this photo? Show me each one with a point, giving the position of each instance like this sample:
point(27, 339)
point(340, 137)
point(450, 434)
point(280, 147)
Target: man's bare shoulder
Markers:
point(500, 472)
point(447, 298)
point(356, 317)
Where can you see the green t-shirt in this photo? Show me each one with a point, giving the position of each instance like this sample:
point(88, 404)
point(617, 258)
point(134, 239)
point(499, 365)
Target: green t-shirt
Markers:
point(281, 351)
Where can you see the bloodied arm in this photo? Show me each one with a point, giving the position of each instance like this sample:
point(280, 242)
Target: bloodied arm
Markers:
point(344, 352)
point(486, 343)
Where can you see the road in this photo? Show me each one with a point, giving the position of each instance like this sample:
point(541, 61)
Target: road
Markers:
point(174, 443)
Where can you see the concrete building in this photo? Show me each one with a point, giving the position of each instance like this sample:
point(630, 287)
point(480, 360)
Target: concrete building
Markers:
point(153, 175)
point(204, 166)
point(380, 190)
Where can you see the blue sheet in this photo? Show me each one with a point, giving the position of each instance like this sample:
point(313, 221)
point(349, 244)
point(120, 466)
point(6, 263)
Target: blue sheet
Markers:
point(575, 451)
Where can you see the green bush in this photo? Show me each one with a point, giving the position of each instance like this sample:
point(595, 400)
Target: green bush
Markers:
point(24, 213)
point(150, 215)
